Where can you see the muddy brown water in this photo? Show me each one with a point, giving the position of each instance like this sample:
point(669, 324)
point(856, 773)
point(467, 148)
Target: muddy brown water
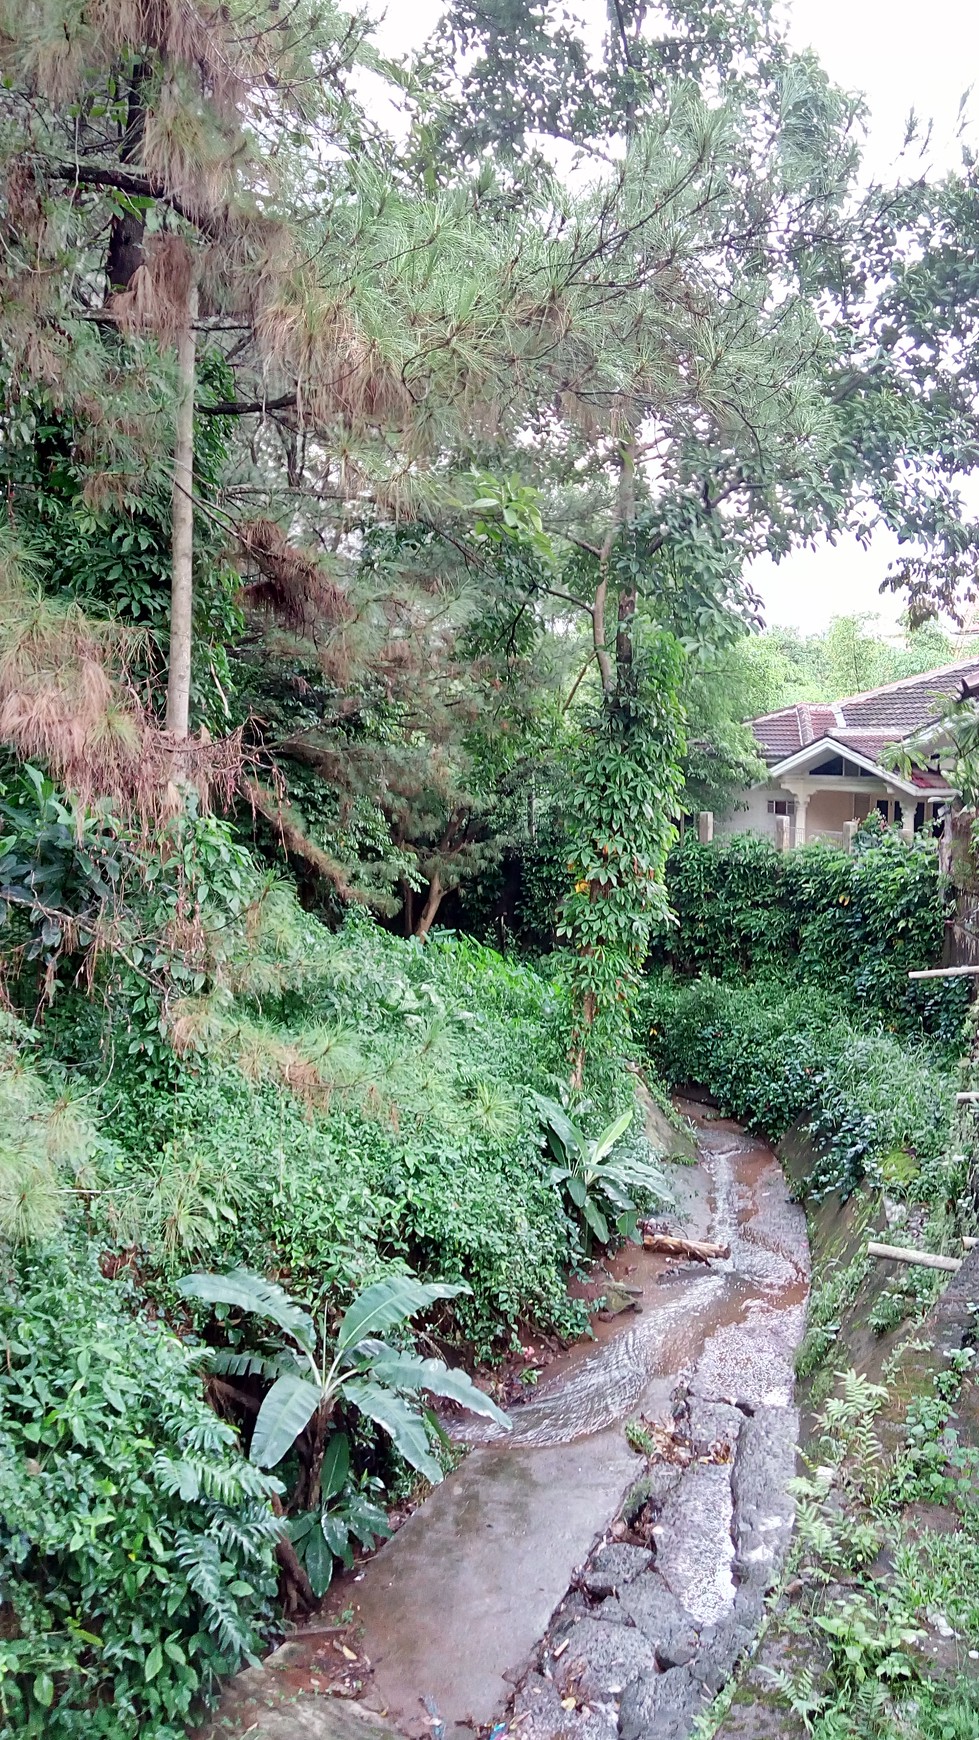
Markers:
point(458, 1599)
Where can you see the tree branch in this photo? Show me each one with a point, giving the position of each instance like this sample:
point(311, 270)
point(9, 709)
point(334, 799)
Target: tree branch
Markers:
point(137, 186)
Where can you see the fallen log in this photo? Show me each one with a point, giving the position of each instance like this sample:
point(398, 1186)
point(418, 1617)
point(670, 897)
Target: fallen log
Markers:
point(693, 1248)
point(924, 1259)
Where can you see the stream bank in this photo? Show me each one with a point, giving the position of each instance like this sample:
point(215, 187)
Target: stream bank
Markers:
point(517, 1545)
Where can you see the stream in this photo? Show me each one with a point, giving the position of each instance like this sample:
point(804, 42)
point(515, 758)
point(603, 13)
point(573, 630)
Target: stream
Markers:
point(452, 1609)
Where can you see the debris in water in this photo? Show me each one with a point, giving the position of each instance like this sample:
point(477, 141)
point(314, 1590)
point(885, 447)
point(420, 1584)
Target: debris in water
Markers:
point(435, 1723)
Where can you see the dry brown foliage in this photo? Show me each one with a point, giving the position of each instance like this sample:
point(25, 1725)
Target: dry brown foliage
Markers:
point(66, 701)
point(158, 298)
point(290, 831)
point(291, 585)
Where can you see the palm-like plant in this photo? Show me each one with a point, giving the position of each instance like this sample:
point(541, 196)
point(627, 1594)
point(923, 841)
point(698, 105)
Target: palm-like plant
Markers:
point(312, 1372)
point(599, 1187)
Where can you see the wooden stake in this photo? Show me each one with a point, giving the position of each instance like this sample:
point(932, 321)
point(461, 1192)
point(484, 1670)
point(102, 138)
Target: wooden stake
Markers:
point(924, 1259)
point(966, 1099)
point(946, 973)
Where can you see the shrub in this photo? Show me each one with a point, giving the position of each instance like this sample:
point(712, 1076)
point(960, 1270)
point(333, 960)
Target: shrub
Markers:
point(880, 1108)
point(137, 1546)
point(853, 924)
point(369, 1111)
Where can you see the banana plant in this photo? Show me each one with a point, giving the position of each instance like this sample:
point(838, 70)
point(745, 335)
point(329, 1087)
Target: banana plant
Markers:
point(311, 1372)
point(599, 1187)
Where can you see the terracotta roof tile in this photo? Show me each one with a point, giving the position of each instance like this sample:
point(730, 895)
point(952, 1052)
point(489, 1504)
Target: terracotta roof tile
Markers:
point(865, 722)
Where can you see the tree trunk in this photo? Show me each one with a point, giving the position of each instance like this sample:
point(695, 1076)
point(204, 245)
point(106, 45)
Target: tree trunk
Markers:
point(182, 545)
point(433, 901)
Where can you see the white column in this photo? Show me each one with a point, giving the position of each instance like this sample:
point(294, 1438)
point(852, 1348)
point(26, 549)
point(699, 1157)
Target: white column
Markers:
point(801, 806)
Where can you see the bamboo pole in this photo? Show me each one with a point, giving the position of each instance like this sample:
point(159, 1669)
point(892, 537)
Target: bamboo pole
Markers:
point(924, 1259)
point(946, 973)
point(966, 1099)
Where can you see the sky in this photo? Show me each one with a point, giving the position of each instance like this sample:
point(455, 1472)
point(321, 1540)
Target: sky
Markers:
point(902, 56)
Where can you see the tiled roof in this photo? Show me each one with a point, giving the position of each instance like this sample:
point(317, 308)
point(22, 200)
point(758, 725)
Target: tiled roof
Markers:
point(867, 722)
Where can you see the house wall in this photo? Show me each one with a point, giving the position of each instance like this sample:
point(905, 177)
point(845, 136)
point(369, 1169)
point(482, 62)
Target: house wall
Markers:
point(753, 818)
point(828, 810)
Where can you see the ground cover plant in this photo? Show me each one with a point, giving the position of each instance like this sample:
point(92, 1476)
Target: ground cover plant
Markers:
point(881, 1108)
point(881, 1579)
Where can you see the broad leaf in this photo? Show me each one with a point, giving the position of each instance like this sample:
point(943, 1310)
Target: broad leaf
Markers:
point(609, 1136)
point(405, 1371)
point(252, 1292)
point(318, 1562)
point(235, 1362)
point(401, 1423)
point(568, 1134)
point(298, 1527)
point(288, 1407)
point(337, 1536)
point(367, 1521)
point(596, 1220)
point(389, 1302)
point(336, 1466)
point(576, 1190)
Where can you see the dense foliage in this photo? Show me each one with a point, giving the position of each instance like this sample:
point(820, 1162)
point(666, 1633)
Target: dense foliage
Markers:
point(851, 923)
point(137, 1548)
point(880, 1108)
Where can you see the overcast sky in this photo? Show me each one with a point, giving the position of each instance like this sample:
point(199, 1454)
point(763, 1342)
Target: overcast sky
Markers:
point(902, 55)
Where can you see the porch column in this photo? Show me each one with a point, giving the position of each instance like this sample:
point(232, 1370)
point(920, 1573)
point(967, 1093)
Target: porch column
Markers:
point(801, 806)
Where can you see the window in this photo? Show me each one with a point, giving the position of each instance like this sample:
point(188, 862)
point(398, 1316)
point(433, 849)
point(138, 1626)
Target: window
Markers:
point(781, 807)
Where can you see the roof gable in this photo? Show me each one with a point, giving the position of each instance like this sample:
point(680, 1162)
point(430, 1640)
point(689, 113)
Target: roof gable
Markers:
point(867, 722)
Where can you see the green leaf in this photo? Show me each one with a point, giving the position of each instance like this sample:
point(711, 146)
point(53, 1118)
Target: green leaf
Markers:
point(318, 1563)
point(608, 1138)
point(596, 1220)
point(154, 1662)
point(367, 1521)
point(44, 1690)
point(405, 1371)
point(336, 1466)
point(389, 1302)
point(251, 1292)
point(402, 1424)
point(568, 1134)
point(335, 1532)
point(286, 1410)
point(576, 1190)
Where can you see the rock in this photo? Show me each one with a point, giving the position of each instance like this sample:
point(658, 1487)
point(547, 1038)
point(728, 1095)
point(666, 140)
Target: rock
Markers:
point(654, 1488)
point(601, 1660)
point(713, 1423)
point(613, 1567)
point(655, 1611)
point(764, 1463)
point(542, 1716)
point(721, 1648)
point(660, 1706)
point(320, 1718)
point(618, 1299)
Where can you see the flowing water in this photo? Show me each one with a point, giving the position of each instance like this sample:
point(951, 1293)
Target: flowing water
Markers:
point(466, 1588)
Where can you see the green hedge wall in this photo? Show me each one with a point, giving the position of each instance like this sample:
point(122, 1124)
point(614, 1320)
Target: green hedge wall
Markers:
point(853, 924)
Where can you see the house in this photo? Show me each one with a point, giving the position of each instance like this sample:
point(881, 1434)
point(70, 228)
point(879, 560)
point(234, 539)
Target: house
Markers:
point(825, 762)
